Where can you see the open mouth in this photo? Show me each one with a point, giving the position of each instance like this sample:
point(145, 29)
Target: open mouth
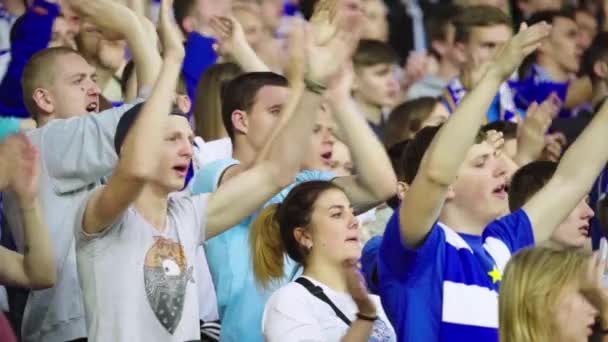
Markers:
point(92, 107)
point(182, 170)
point(326, 157)
point(501, 191)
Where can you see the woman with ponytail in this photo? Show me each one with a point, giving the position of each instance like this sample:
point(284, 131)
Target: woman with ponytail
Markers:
point(316, 227)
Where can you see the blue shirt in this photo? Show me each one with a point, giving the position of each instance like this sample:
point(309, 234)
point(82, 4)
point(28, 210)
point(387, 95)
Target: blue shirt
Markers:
point(9, 126)
point(241, 300)
point(32, 33)
point(447, 289)
point(199, 57)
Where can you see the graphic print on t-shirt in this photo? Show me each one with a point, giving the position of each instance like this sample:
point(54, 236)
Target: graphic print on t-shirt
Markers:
point(166, 276)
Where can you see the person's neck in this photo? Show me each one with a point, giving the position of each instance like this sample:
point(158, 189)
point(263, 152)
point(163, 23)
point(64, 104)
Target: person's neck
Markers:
point(600, 92)
point(447, 70)
point(556, 73)
point(152, 205)
point(460, 222)
point(328, 274)
point(243, 152)
point(372, 112)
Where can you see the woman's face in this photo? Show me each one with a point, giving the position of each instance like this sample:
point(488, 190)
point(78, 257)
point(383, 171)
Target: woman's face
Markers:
point(334, 229)
point(574, 316)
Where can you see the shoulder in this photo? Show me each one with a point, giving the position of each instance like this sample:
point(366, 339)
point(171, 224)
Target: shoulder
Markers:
point(207, 179)
point(314, 175)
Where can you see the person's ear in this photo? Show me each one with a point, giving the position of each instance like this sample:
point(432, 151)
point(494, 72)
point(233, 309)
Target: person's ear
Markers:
point(240, 121)
point(44, 101)
point(303, 237)
point(184, 103)
point(402, 189)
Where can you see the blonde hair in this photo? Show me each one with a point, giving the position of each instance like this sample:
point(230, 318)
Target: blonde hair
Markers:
point(533, 279)
point(267, 247)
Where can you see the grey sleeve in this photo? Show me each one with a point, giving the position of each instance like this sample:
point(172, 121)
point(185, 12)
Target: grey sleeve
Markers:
point(80, 151)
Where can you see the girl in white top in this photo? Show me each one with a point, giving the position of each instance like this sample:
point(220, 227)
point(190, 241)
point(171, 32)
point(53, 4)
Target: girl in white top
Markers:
point(315, 225)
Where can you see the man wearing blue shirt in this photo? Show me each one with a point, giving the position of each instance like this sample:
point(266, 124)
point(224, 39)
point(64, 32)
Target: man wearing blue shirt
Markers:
point(441, 260)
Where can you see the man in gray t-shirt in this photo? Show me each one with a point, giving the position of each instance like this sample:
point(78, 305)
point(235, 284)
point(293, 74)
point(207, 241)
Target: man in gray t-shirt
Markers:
point(76, 151)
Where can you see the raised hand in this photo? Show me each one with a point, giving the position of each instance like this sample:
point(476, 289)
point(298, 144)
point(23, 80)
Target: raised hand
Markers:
point(531, 132)
point(170, 36)
point(496, 140)
point(526, 41)
point(554, 146)
point(229, 34)
point(358, 290)
point(111, 17)
point(26, 171)
point(333, 42)
point(296, 52)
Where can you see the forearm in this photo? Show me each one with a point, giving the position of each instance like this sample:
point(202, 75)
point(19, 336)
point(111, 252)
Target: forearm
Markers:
point(144, 141)
point(248, 60)
point(590, 150)
point(145, 55)
point(290, 145)
point(359, 331)
point(573, 177)
point(38, 258)
point(458, 134)
point(374, 168)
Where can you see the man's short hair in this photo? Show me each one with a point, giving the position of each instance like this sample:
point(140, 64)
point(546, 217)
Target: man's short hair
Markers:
point(507, 128)
point(438, 21)
point(408, 118)
point(597, 52)
point(473, 17)
point(240, 94)
point(549, 16)
point(40, 72)
point(372, 52)
point(528, 180)
point(182, 9)
point(415, 150)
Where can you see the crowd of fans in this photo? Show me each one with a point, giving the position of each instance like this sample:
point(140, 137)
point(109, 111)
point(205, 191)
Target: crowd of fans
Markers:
point(303, 170)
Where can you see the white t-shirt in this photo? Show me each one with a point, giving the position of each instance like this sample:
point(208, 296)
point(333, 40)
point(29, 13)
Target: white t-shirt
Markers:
point(138, 283)
point(294, 314)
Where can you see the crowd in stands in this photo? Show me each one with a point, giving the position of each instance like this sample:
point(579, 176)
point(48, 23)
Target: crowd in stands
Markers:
point(303, 170)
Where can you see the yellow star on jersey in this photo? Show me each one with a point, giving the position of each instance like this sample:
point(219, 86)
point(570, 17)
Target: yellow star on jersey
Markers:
point(495, 274)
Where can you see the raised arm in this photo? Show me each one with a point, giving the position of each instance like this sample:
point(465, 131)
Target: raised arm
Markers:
point(35, 268)
point(233, 44)
point(438, 170)
point(252, 188)
point(140, 153)
point(117, 20)
point(375, 180)
point(576, 173)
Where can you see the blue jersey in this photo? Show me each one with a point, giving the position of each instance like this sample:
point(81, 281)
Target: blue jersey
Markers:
point(447, 289)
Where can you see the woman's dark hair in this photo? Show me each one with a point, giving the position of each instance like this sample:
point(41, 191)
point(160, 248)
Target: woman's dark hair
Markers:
point(272, 233)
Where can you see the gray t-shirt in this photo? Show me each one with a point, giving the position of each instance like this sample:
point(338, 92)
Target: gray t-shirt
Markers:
point(138, 282)
point(75, 155)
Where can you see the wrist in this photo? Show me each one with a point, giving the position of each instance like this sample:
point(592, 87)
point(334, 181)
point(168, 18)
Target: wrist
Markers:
point(314, 87)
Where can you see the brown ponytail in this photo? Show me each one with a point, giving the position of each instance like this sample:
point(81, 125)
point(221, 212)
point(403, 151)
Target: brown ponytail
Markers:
point(266, 247)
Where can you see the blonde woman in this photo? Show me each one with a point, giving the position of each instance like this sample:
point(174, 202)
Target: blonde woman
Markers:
point(552, 295)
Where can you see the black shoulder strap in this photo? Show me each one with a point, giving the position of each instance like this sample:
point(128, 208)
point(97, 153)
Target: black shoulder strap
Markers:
point(318, 292)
